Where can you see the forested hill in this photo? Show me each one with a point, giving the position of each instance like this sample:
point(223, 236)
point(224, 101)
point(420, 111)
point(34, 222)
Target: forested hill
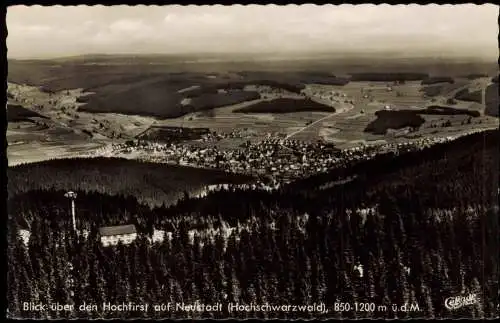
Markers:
point(423, 226)
point(151, 183)
point(476, 148)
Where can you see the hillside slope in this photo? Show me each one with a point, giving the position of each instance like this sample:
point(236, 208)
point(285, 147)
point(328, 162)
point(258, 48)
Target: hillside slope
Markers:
point(150, 183)
point(420, 232)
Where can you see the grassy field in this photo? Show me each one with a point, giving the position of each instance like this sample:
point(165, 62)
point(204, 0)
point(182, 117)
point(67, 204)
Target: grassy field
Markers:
point(105, 96)
point(25, 125)
point(388, 76)
point(175, 134)
point(154, 90)
point(286, 105)
point(346, 127)
point(153, 85)
point(24, 149)
point(438, 79)
point(62, 109)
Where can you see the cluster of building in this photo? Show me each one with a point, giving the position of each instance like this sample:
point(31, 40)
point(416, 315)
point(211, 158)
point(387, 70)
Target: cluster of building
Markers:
point(109, 236)
point(276, 158)
point(322, 93)
point(112, 235)
point(312, 152)
point(233, 134)
point(369, 151)
point(281, 160)
point(331, 97)
point(285, 159)
point(268, 92)
point(126, 234)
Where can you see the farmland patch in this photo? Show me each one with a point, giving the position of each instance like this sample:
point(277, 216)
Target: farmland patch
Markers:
point(286, 105)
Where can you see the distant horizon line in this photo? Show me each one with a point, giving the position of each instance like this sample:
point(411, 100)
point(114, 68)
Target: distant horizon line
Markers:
point(263, 56)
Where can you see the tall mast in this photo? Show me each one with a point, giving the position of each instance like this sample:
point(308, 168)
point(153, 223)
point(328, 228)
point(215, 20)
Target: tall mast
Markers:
point(72, 196)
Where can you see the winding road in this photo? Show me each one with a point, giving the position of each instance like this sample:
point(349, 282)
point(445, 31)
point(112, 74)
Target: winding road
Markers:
point(309, 125)
point(342, 110)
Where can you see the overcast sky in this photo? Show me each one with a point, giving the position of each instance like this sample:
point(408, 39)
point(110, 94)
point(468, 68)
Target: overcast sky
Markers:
point(64, 31)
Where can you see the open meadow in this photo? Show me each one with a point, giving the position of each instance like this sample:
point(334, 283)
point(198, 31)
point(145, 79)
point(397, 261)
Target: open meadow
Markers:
point(112, 99)
point(356, 104)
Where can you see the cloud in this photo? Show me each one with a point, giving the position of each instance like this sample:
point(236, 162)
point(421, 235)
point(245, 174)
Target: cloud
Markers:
point(31, 30)
point(129, 26)
point(249, 28)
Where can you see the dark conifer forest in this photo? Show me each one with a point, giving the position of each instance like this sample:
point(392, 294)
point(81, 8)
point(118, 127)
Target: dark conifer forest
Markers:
point(423, 225)
point(149, 183)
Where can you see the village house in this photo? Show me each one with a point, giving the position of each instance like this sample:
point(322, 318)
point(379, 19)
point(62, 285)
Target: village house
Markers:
point(24, 235)
point(359, 269)
point(159, 236)
point(113, 234)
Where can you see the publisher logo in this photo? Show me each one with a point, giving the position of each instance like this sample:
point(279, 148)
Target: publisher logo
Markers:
point(456, 302)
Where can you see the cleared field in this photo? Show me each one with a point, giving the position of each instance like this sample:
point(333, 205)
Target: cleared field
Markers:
point(403, 95)
point(388, 77)
point(351, 129)
point(34, 151)
point(352, 124)
point(263, 117)
point(438, 79)
point(209, 101)
point(147, 90)
point(179, 91)
point(286, 105)
point(172, 134)
point(225, 120)
point(42, 130)
point(61, 107)
point(346, 127)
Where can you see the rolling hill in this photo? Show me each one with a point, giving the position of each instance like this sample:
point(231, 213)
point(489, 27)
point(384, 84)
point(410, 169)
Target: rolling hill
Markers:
point(143, 89)
point(152, 85)
point(150, 183)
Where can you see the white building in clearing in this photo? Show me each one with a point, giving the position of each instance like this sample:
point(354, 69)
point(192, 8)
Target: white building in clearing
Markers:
point(112, 235)
point(85, 233)
point(359, 269)
point(25, 236)
point(158, 236)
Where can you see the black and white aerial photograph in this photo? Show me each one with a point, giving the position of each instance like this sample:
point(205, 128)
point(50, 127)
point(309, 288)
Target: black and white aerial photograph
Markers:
point(252, 162)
